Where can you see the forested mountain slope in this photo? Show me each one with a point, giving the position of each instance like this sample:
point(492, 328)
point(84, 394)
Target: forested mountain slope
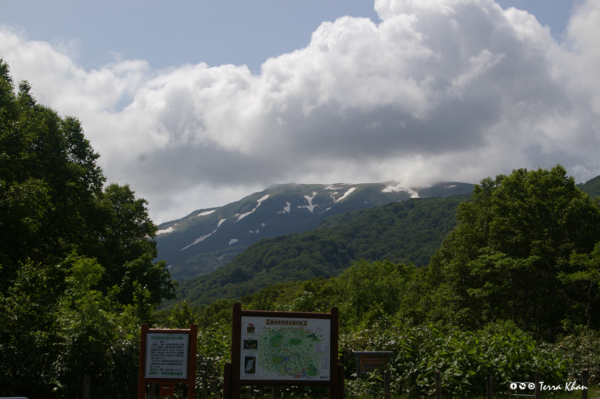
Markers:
point(592, 187)
point(209, 238)
point(403, 232)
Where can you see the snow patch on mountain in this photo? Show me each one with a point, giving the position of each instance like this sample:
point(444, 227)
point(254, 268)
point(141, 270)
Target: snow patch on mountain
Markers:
point(166, 231)
point(199, 239)
point(309, 199)
point(452, 185)
point(243, 215)
point(287, 208)
point(347, 193)
point(233, 241)
point(202, 238)
point(205, 213)
point(333, 187)
point(397, 188)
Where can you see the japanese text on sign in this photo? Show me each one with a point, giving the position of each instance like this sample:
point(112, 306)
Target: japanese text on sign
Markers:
point(167, 356)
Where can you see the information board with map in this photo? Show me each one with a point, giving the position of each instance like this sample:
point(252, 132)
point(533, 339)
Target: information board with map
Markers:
point(285, 348)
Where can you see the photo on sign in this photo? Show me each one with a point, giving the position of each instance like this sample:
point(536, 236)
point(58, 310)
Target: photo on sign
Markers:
point(249, 364)
point(251, 343)
point(250, 328)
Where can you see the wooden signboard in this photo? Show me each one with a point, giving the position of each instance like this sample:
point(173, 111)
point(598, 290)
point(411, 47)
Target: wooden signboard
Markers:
point(371, 361)
point(167, 357)
point(283, 348)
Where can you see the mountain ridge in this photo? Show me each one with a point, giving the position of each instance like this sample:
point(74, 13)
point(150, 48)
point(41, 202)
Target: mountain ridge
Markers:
point(207, 239)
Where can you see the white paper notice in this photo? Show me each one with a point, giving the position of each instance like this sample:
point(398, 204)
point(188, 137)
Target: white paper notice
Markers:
point(167, 355)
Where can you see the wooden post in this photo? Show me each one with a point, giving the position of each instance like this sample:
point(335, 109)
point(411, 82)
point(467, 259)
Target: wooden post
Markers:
point(333, 362)
point(141, 382)
point(386, 384)
point(193, 340)
point(236, 330)
point(584, 382)
point(275, 392)
point(86, 387)
point(489, 381)
point(227, 381)
point(341, 381)
point(538, 391)
point(438, 385)
point(152, 391)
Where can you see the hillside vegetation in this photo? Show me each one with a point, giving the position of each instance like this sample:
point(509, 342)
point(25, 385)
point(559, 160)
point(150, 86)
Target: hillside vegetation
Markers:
point(592, 187)
point(404, 232)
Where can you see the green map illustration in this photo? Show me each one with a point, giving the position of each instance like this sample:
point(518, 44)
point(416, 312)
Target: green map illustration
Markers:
point(293, 352)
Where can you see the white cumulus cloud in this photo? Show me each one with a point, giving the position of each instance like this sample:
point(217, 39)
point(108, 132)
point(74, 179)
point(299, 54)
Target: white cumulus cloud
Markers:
point(438, 90)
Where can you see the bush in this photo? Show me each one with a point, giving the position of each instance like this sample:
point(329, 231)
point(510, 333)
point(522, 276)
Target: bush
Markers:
point(463, 358)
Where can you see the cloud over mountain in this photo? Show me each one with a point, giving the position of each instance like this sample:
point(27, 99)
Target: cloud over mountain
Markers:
point(438, 89)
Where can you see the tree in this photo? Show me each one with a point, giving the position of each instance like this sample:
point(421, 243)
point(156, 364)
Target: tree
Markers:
point(512, 240)
point(584, 281)
point(76, 270)
point(52, 201)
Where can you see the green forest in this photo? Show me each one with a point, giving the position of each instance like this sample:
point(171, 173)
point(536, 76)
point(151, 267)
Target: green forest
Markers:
point(403, 232)
point(505, 281)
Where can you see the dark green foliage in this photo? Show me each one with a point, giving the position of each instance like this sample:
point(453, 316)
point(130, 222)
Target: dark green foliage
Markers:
point(404, 232)
point(55, 328)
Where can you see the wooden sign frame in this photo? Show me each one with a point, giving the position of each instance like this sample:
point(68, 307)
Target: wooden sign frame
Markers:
point(233, 382)
point(170, 382)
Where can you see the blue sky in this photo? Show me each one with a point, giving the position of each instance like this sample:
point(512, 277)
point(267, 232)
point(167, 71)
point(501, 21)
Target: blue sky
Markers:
point(196, 103)
point(171, 33)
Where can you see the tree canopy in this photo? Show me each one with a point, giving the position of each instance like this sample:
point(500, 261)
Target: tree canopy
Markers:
point(515, 237)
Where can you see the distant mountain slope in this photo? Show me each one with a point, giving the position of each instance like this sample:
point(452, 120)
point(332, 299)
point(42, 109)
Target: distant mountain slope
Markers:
point(592, 187)
point(207, 239)
point(405, 232)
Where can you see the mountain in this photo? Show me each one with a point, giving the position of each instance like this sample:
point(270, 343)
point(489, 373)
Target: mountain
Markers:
point(207, 239)
point(404, 232)
point(592, 187)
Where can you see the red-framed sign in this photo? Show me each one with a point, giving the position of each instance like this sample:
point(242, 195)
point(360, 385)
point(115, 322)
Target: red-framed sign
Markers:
point(284, 348)
point(371, 361)
point(167, 357)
